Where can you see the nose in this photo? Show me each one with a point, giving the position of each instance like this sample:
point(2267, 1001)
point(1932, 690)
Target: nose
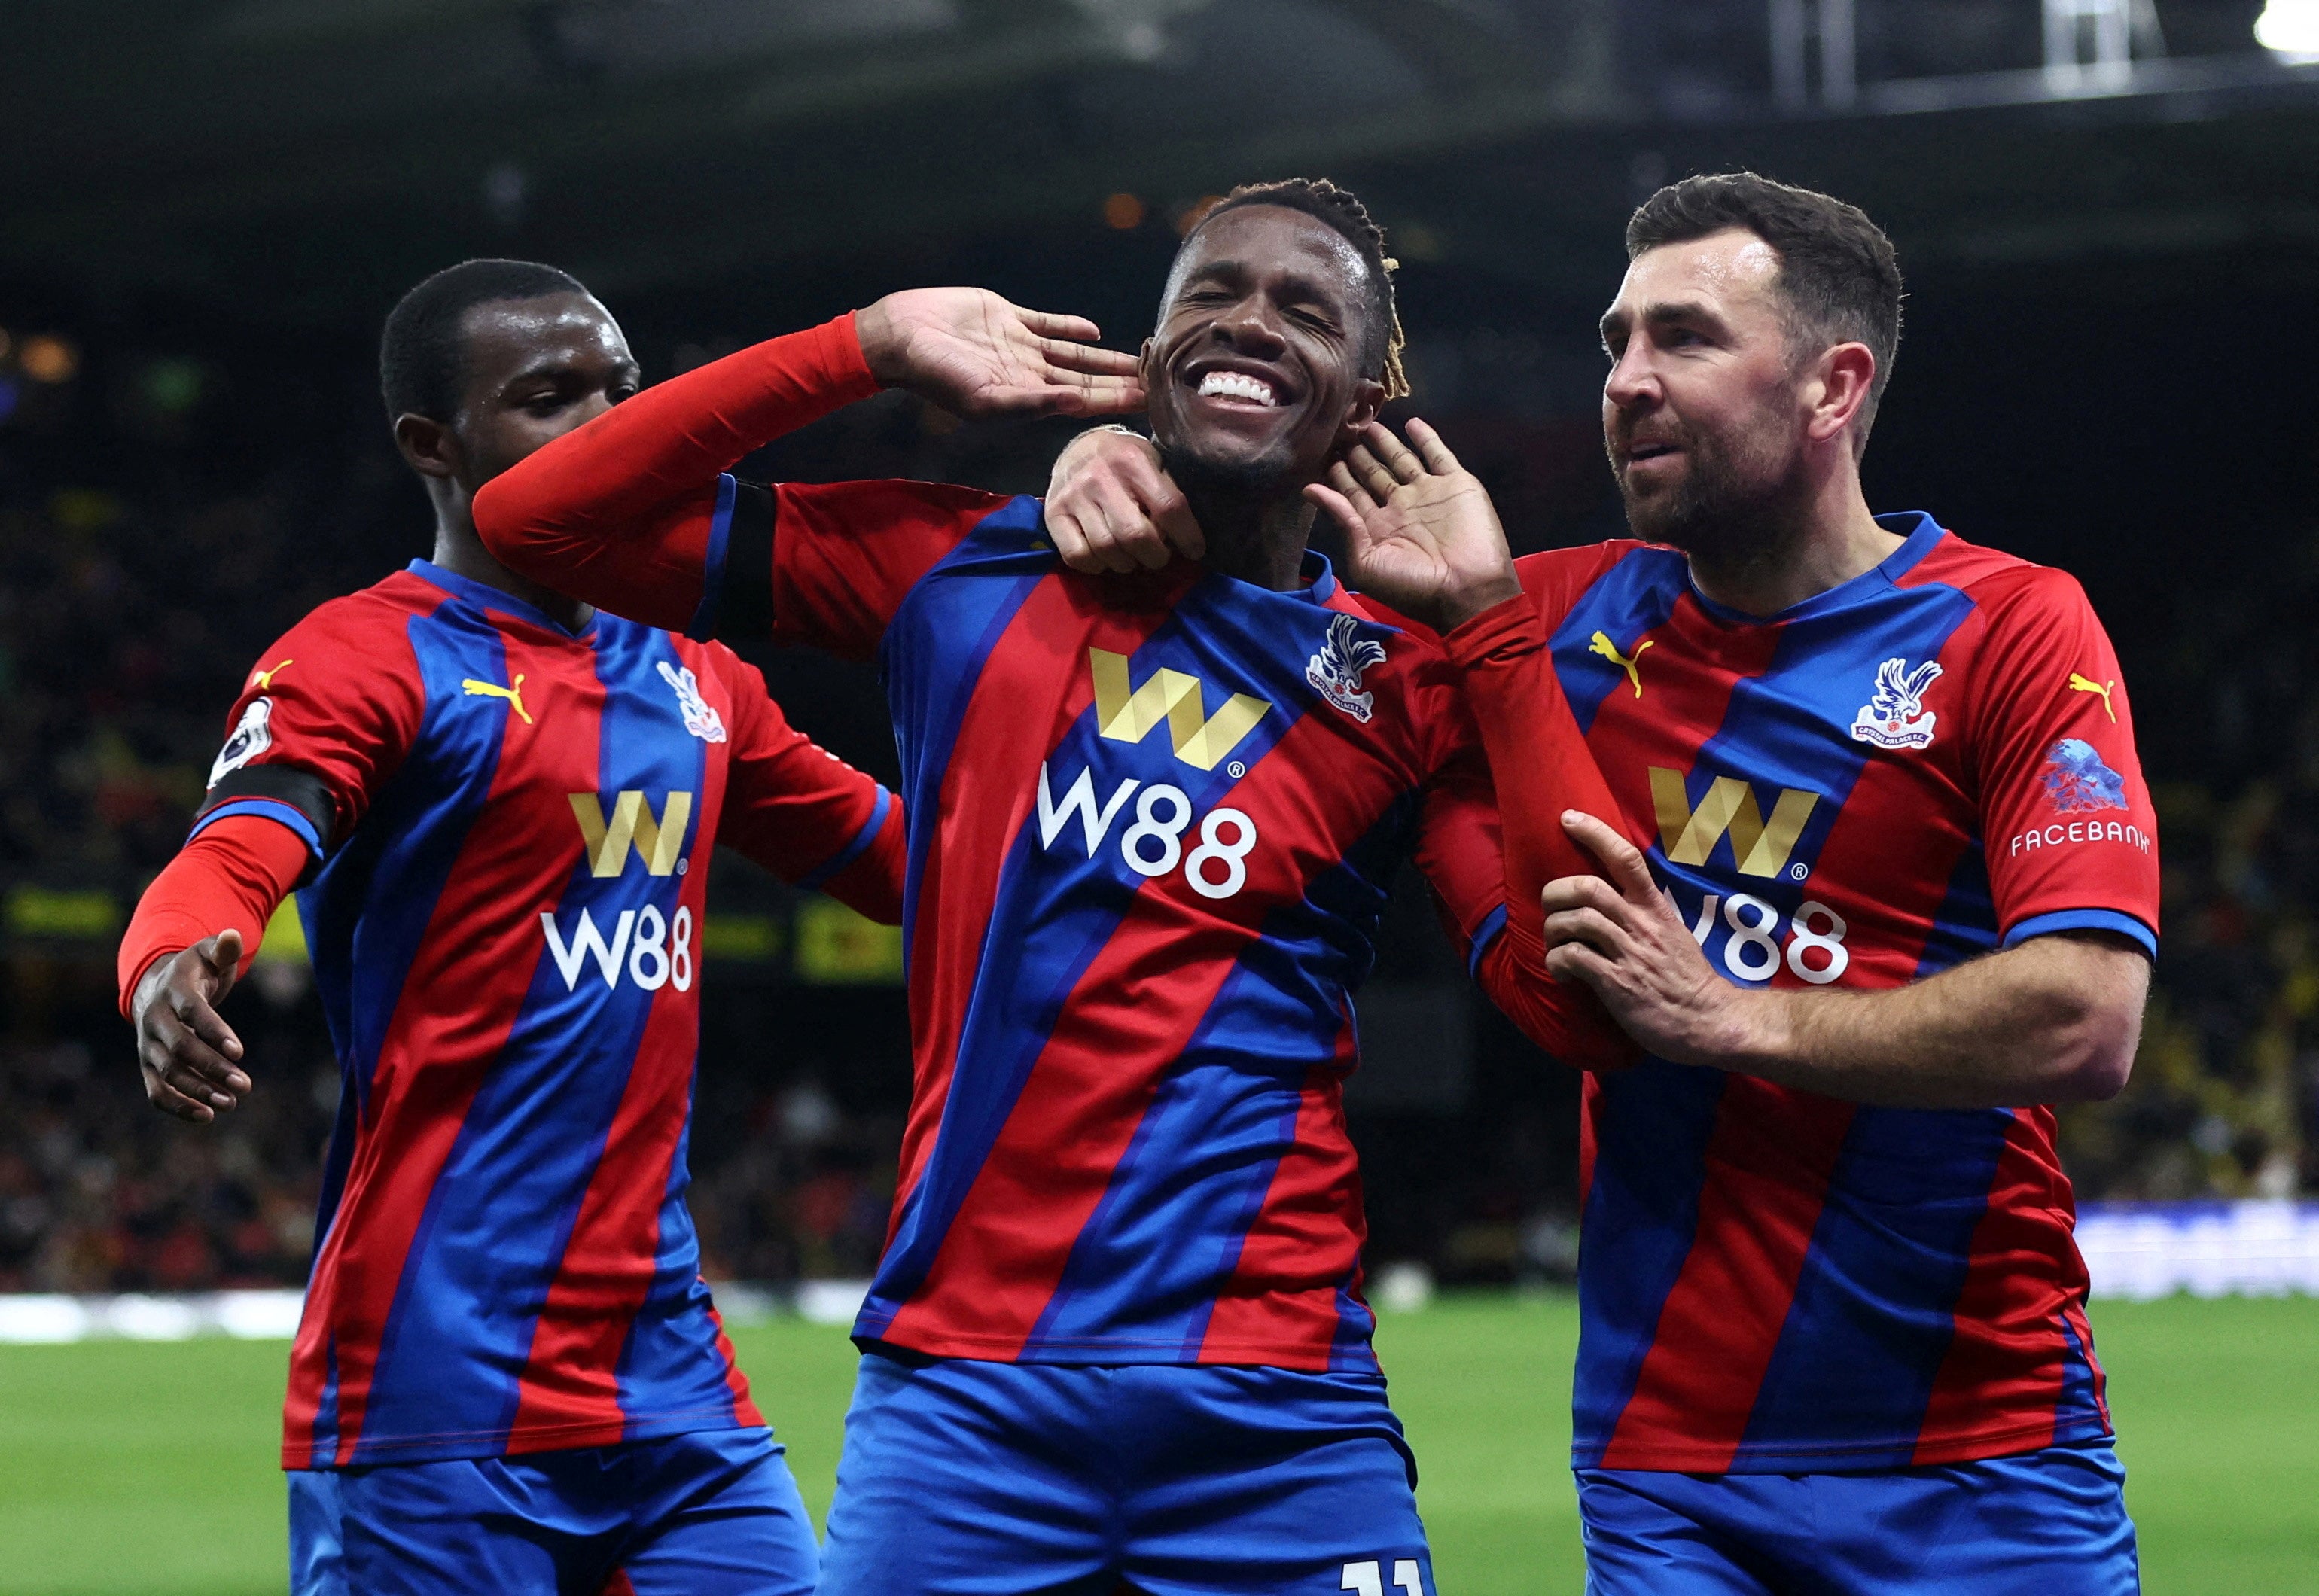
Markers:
point(1249, 328)
point(1632, 384)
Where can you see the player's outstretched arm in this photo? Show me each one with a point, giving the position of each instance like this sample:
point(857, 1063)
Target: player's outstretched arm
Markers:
point(177, 964)
point(2054, 1020)
point(620, 512)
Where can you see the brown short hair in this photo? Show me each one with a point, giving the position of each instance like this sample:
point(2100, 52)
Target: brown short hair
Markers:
point(1837, 270)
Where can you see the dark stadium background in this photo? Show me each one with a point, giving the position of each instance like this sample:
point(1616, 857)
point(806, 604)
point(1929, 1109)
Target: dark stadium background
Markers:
point(206, 209)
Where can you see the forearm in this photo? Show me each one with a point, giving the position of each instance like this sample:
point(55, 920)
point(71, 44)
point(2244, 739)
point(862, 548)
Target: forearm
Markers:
point(1562, 1017)
point(2055, 1020)
point(1538, 759)
point(618, 512)
point(232, 876)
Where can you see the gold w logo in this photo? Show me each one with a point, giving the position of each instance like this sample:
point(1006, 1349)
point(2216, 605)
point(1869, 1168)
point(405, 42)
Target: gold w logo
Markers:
point(2087, 684)
point(492, 690)
point(1126, 717)
point(1632, 665)
point(607, 841)
point(263, 680)
point(1688, 836)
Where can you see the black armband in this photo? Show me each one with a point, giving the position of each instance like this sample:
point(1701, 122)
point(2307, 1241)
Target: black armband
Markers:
point(736, 598)
point(299, 799)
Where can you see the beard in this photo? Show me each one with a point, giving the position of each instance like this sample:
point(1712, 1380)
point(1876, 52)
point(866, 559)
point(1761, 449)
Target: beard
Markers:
point(1733, 506)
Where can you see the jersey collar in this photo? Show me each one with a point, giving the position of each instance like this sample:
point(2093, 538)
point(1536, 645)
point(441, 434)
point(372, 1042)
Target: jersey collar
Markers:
point(483, 596)
point(1918, 533)
point(1317, 585)
point(1319, 578)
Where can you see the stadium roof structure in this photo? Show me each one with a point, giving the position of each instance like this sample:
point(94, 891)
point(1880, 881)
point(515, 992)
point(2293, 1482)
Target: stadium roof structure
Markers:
point(311, 155)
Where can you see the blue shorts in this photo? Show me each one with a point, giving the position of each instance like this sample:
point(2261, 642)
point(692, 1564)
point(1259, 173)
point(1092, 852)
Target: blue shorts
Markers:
point(714, 1513)
point(966, 1478)
point(2049, 1523)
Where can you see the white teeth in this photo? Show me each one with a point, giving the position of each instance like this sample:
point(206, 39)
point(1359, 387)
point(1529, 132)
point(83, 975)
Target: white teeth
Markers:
point(1232, 385)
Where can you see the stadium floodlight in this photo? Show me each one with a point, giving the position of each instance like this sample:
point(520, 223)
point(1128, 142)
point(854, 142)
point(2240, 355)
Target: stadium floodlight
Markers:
point(2289, 28)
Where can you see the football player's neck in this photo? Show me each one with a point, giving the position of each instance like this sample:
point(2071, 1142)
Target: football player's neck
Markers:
point(1820, 535)
point(1257, 538)
point(458, 550)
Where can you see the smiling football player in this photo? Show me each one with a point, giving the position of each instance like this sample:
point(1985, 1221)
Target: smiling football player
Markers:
point(1117, 1334)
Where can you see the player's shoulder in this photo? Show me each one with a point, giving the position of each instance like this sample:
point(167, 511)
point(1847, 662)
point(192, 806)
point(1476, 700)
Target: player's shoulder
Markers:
point(1420, 644)
point(711, 660)
point(368, 630)
point(1557, 578)
point(2007, 590)
point(906, 499)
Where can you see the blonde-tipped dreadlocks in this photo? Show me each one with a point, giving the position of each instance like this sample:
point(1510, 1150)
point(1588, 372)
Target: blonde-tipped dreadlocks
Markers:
point(1322, 200)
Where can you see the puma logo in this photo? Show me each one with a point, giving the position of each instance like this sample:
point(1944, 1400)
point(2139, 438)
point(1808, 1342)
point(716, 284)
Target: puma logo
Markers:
point(263, 680)
point(1631, 665)
point(488, 689)
point(2087, 684)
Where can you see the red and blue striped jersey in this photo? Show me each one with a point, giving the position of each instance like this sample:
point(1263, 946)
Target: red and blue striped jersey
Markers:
point(1152, 822)
point(512, 825)
point(1928, 763)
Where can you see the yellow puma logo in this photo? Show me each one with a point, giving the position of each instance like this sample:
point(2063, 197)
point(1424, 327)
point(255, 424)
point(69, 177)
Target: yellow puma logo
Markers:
point(1632, 665)
point(513, 695)
point(263, 680)
point(2087, 684)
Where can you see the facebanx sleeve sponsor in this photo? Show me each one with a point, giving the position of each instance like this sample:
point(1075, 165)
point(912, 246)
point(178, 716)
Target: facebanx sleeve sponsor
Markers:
point(2068, 822)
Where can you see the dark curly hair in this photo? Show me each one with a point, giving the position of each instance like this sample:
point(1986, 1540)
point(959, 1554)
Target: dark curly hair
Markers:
point(1340, 209)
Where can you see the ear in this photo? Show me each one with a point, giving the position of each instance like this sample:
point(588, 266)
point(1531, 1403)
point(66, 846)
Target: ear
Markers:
point(429, 445)
point(1846, 375)
point(1369, 397)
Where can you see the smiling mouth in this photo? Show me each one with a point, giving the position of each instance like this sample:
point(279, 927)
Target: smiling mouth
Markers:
point(1239, 386)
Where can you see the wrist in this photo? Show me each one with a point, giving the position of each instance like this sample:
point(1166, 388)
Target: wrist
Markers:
point(1470, 601)
point(873, 329)
point(148, 984)
point(1757, 1032)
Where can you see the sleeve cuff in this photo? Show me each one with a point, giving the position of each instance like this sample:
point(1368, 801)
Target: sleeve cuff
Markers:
point(275, 809)
point(1492, 926)
point(860, 845)
point(1505, 631)
point(838, 343)
point(2124, 924)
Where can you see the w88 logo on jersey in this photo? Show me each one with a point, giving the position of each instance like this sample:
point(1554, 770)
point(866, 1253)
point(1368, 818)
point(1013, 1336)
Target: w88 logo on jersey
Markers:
point(1754, 950)
point(649, 949)
point(1159, 838)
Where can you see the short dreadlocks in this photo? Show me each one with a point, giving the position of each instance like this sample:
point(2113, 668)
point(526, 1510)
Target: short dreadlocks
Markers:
point(1339, 210)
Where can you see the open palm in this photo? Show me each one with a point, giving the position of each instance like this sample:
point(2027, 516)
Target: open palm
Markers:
point(975, 353)
point(1420, 529)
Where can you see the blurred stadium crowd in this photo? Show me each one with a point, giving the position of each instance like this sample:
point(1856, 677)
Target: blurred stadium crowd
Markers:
point(163, 517)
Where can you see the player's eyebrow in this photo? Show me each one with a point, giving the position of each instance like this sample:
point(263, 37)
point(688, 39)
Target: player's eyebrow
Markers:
point(561, 366)
point(1685, 313)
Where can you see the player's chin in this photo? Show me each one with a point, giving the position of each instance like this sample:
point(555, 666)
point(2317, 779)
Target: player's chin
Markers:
point(1652, 509)
point(1233, 461)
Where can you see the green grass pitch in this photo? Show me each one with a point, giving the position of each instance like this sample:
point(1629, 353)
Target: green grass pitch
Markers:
point(130, 1469)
